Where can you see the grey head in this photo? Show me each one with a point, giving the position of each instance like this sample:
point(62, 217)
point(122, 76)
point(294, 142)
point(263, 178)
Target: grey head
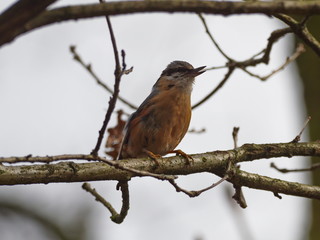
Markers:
point(181, 74)
point(181, 69)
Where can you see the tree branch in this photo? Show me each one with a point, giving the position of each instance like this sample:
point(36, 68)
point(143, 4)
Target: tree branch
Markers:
point(301, 31)
point(115, 217)
point(112, 102)
point(88, 67)
point(213, 162)
point(117, 8)
point(220, 85)
point(232, 64)
point(18, 14)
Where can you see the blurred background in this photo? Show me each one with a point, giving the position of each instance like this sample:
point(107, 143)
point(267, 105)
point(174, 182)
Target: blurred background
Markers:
point(50, 105)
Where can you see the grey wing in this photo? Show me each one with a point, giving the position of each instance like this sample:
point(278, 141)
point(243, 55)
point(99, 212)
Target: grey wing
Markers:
point(126, 130)
point(126, 135)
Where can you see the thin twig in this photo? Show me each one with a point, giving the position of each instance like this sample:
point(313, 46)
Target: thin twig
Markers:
point(218, 67)
point(232, 64)
point(123, 185)
point(265, 58)
point(235, 132)
point(224, 80)
point(196, 193)
point(212, 38)
point(76, 12)
point(113, 100)
point(88, 67)
point(238, 195)
point(298, 137)
point(285, 170)
point(299, 50)
point(277, 195)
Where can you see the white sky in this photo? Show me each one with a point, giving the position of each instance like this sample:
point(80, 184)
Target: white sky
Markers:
point(50, 105)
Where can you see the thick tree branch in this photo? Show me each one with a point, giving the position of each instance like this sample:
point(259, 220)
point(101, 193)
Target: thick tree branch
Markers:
point(209, 7)
point(275, 185)
point(214, 162)
point(18, 14)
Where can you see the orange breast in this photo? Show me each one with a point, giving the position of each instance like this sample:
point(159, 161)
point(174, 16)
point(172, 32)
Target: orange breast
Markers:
point(161, 125)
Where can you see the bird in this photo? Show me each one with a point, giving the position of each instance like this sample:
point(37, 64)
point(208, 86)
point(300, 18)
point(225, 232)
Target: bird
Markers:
point(162, 120)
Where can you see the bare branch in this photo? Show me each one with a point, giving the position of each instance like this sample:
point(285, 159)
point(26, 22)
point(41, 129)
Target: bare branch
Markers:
point(274, 37)
point(112, 102)
point(18, 14)
point(212, 38)
point(301, 31)
point(209, 7)
point(214, 162)
point(285, 170)
point(299, 50)
point(298, 137)
point(88, 67)
point(235, 132)
point(252, 61)
point(220, 85)
point(238, 196)
point(194, 193)
point(115, 217)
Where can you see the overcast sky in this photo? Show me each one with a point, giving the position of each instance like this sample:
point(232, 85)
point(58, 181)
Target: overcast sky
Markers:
point(50, 105)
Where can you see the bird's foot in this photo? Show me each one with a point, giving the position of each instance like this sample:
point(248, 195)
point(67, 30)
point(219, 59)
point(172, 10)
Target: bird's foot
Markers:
point(153, 156)
point(188, 158)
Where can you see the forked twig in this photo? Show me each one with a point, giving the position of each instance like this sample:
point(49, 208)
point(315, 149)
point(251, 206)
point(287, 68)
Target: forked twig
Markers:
point(299, 50)
point(122, 185)
point(88, 67)
point(252, 61)
point(196, 193)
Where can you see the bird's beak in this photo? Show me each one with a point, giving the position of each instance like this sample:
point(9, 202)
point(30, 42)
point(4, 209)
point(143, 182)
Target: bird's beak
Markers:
point(197, 71)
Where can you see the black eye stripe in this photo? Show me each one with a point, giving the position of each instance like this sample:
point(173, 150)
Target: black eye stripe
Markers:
point(169, 72)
